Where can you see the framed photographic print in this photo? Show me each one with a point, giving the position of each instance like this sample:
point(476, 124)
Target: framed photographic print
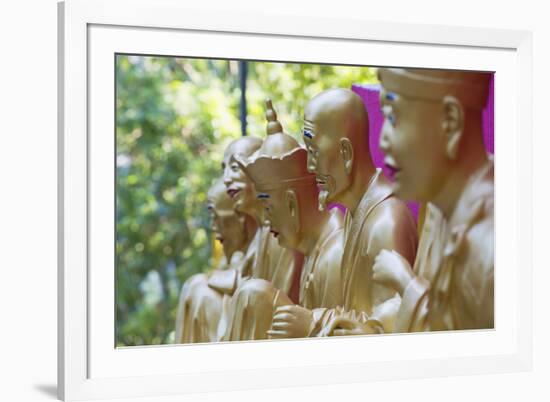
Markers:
point(253, 201)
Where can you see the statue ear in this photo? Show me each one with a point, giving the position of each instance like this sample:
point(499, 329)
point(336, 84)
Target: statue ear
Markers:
point(293, 209)
point(346, 150)
point(453, 125)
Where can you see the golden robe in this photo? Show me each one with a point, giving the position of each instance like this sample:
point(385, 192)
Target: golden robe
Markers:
point(264, 259)
point(320, 281)
point(200, 306)
point(255, 301)
point(381, 221)
point(199, 311)
point(273, 262)
point(454, 283)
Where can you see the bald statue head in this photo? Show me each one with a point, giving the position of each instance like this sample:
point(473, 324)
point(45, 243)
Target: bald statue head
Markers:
point(226, 223)
point(335, 132)
point(432, 127)
point(239, 187)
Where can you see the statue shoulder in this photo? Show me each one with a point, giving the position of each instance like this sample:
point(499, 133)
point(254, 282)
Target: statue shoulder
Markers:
point(390, 226)
point(477, 221)
point(471, 247)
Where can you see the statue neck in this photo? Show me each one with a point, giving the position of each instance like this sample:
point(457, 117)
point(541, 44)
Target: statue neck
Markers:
point(360, 179)
point(313, 223)
point(472, 157)
point(249, 227)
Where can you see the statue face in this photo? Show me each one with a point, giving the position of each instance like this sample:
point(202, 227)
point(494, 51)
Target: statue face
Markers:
point(325, 159)
point(227, 226)
point(281, 211)
point(239, 187)
point(414, 143)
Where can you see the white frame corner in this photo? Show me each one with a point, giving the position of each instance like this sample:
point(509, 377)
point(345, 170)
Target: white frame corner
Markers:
point(74, 19)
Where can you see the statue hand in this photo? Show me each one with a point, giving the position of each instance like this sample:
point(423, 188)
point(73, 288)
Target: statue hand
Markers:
point(344, 326)
point(392, 270)
point(291, 321)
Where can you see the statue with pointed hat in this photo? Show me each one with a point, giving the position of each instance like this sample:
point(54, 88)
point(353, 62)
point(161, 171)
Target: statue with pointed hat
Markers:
point(264, 258)
point(289, 195)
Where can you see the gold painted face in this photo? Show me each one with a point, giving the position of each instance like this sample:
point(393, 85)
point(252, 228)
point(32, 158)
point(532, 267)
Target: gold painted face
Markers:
point(427, 115)
point(239, 187)
point(226, 224)
point(281, 211)
point(413, 142)
point(325, 160)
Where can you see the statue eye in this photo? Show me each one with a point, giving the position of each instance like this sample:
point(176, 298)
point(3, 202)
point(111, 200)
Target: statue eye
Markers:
point(307, 133)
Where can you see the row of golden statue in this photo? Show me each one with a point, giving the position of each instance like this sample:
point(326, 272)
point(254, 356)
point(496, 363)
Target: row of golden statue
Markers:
point(294, 268)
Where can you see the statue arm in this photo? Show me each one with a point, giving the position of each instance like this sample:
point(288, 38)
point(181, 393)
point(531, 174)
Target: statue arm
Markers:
point(391, 248)
point(413, 310)
point(181, 311)
point(487, 305)
point(330, 271)
point(184, 298)
point(477, 285)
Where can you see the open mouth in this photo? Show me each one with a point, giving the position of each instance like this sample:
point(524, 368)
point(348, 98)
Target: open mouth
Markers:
point(392, 168)
point(233, 193)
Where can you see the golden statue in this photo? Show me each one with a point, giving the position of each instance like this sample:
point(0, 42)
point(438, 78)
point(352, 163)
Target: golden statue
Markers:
point(452, 283)
point(200, 306)
point(336, 136)
point(264, 259)
point(289, 193)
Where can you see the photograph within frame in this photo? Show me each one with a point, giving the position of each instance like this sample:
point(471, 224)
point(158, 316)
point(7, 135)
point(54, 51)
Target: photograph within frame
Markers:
point(239, 109)
point(89, 366)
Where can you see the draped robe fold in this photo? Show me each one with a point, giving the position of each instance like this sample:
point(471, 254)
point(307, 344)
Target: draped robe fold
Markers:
point(254, 302)
point(200, 307)
point(381, 221)
point(454, 283)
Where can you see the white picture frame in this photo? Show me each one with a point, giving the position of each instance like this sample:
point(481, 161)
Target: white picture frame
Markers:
point(89, 365)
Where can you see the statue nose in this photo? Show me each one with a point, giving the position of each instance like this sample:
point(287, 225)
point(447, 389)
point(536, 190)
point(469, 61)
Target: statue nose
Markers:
point(384, 142)
point(226, 178)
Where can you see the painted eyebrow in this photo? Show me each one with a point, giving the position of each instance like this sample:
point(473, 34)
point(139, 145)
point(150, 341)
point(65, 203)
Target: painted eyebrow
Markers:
point(262, 196)
point(308, 133)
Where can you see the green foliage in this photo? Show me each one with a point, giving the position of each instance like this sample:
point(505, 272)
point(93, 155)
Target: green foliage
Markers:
point(174, 118)
point(291, 86)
